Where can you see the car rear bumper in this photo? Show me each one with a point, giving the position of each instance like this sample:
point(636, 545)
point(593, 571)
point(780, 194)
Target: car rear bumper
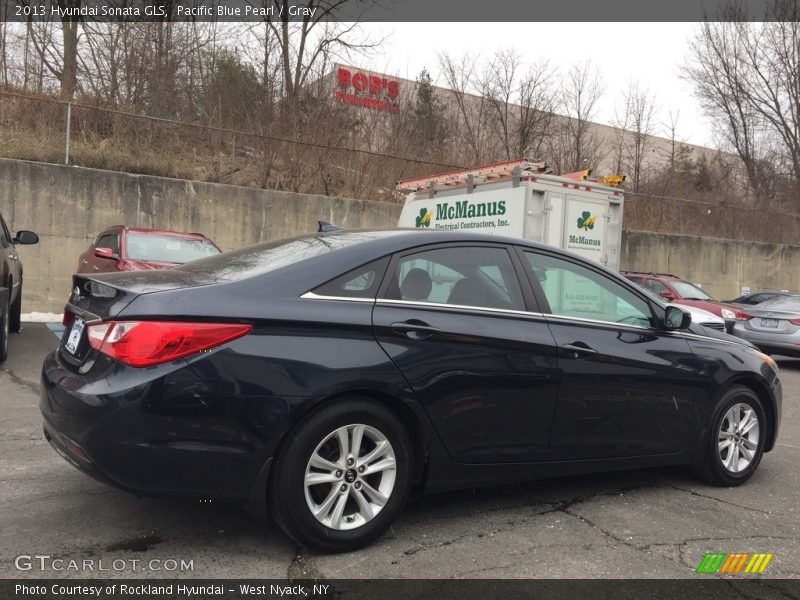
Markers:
point(786, 345)
point(148, 432)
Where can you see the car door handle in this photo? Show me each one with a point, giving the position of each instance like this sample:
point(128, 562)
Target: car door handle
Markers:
point(580, 350)
point(414, 329)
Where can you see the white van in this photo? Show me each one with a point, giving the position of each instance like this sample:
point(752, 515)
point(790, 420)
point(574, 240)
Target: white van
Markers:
point(520, 199)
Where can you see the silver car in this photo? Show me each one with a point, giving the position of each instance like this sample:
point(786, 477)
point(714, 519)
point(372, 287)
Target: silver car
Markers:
point(774, 326)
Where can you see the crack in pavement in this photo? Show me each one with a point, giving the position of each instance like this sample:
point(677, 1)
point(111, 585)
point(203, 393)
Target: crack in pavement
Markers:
point(699, 495)
point(22, 382)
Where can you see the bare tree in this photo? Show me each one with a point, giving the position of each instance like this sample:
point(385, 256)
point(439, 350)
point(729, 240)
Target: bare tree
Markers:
point(521, 103)
point(635, 129)
point(576, 145)
point(460, 76)
point(747, 75)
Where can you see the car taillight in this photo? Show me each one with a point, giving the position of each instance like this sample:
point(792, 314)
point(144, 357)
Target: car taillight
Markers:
point(740, 316)
point(795, 321)
point(149, 343)
point(68, 318)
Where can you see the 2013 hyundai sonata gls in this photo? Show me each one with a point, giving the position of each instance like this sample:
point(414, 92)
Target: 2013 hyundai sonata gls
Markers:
point(324, 377)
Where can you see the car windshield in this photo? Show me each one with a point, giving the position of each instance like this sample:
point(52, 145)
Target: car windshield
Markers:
point(166, 248)
point(689, 291)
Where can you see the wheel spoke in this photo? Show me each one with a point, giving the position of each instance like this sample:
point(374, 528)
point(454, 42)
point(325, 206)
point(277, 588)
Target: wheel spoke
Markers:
point(747, 453)
point(750, 424)
point(749, 444)
point(364, 506)
point(323, 509)
point(745, 420)
point(725, 435)
point(320, 463)
point(379, 450)
point(318, 478)
point(736, 416)
point(725, 444)
point(374, 494)
point(358, 435)
point(735, 459)
point(385, 463)
point(336, 517)
point(344, 444)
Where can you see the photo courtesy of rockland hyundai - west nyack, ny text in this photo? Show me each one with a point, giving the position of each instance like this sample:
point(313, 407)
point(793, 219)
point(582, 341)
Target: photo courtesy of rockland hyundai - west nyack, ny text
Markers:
point(352, 300)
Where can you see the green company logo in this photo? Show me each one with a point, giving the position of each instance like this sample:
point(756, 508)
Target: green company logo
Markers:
point(424, 218)
point(586, 221)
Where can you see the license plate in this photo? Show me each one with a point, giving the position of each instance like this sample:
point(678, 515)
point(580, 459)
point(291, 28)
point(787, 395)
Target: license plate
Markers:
point(769, 322)
point(75, 334)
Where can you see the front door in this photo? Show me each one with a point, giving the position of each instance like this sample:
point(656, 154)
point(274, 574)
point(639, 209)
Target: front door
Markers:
point(626, 388)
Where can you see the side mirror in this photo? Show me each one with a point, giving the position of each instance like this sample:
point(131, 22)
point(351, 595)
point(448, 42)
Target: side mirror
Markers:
point(26, 238)
point(105, 253)
point(675, 318)
point(666, 294)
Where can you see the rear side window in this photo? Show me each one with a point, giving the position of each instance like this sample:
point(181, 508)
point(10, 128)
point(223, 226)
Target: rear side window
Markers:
point(362, 282)
point(464, 276)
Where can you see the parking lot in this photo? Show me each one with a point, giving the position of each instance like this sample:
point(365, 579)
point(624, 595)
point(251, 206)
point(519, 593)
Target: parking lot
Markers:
point(640, 524)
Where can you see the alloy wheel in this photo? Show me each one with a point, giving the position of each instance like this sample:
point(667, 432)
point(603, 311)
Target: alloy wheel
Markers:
point(350, 476)
point(737, 439)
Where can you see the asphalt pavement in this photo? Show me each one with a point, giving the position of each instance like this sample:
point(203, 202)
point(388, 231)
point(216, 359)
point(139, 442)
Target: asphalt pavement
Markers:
point(638, 524)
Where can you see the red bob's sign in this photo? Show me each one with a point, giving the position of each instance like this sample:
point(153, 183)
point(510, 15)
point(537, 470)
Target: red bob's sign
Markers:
point(370, 91)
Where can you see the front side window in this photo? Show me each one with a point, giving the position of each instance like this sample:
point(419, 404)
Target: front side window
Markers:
point(110, 240)
point(573, 290)
point(656, 286)
point(464, 276)
point(5, 234)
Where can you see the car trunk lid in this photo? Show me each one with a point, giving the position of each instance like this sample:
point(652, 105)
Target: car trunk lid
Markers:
point(102, 297)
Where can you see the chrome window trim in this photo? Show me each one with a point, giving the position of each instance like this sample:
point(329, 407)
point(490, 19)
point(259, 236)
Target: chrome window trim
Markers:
point(502, 311)
point(595, 321)
point(313, 296)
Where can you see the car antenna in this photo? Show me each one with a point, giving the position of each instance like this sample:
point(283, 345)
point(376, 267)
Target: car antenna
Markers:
point(325, 227)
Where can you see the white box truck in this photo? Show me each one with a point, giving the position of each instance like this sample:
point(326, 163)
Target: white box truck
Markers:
point(521, 199)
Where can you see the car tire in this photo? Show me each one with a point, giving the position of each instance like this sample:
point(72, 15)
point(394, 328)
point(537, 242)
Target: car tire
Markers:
point(15, 323)
point(355, 495)
point(5, 322)
point(736, 436)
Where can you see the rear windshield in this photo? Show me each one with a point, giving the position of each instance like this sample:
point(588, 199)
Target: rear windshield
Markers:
point(782, 303)
point(166, 248)
point(270, 256)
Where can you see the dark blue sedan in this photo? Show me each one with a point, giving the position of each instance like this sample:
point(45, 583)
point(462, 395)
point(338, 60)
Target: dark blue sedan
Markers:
point(321, 378)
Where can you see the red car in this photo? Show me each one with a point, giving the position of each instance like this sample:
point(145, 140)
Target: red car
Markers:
point(122, 248)
point(677, 291)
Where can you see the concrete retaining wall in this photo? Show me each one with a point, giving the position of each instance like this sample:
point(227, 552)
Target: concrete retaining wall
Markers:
point(69, 206)
point(722, 267)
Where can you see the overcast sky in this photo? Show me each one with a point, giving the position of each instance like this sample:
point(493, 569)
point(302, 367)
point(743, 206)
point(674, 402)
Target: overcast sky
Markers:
point(649, 52)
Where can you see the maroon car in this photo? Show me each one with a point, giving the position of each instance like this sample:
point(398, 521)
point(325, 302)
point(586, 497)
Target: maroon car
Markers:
point(677, 291)
point(122, 248)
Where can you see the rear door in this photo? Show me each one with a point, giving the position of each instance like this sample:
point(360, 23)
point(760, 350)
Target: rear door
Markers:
point(471, 343)
point(9, 261)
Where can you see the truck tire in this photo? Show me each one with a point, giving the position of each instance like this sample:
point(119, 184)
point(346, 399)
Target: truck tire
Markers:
point(15, 323)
